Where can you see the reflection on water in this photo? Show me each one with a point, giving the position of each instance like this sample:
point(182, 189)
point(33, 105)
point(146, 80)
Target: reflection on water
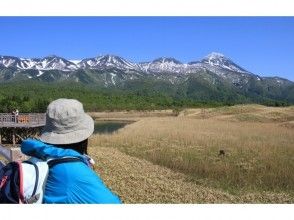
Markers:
point(108, 127)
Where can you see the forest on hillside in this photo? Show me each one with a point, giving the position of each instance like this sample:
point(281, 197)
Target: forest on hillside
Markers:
point(35, 97)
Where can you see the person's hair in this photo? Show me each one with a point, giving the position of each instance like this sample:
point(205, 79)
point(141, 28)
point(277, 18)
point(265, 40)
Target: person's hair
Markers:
point(80, 147)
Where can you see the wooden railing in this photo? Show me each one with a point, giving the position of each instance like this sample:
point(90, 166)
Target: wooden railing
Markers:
point(11, 154)
point(29, 119)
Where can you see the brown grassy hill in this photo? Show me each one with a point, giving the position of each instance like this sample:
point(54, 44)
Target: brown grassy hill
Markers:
point(168, 159)
point(139, 181)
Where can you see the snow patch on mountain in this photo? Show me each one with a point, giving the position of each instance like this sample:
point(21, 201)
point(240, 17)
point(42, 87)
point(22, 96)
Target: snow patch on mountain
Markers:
point(75, 61)
point(112, 78)
point(40, 73)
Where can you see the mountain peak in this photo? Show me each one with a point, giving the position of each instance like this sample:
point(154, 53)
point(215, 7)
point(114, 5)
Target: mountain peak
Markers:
point(163, 64)
point(114, 59)
point(215, 55)
point(110, 55)
point(106, 61)
point(107, 56)
point(52, 56)
point(166, 60)
point(8, 57)
point(215, 59)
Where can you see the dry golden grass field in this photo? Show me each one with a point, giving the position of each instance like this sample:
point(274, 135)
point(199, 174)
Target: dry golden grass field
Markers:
point(168, 158)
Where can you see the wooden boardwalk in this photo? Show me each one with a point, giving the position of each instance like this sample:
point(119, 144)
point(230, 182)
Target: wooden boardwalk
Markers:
point(15, 128)
point(29, 120)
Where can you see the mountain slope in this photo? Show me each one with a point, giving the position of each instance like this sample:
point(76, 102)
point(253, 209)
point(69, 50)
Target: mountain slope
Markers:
point(215, 77)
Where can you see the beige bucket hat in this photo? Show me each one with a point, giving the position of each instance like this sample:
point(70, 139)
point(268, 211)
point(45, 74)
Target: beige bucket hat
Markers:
point(66, 123)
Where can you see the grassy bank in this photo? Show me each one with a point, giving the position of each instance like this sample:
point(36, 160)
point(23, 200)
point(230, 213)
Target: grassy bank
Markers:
point(258, 158)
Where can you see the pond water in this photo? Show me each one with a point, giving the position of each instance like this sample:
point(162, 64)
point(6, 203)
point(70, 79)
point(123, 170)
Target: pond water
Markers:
point(109, 127)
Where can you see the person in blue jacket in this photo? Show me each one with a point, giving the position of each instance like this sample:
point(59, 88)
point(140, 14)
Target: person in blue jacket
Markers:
point(66, 134)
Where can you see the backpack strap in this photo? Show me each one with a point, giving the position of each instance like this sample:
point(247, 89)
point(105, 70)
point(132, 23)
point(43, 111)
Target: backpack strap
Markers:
point(37, 176)
point(21, 190)
point(54, 162)
point(10, 183)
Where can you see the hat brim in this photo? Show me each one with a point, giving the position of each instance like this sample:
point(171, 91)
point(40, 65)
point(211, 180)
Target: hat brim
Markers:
point(85, 130)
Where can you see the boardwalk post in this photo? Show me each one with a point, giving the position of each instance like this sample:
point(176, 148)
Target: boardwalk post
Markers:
point(5, 152)
point(12, 154)
point(13, 137)
point(16, 154)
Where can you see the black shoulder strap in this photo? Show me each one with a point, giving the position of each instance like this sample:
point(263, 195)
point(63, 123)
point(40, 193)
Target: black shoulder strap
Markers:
point(54, 162)
point(37, 175)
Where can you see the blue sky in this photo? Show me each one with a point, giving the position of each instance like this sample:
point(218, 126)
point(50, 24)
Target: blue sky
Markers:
point(262, 45)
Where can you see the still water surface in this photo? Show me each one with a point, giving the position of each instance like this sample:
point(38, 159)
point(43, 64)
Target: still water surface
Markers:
point(109, 127)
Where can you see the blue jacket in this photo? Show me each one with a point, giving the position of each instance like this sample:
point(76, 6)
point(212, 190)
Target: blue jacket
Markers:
point(72, 182)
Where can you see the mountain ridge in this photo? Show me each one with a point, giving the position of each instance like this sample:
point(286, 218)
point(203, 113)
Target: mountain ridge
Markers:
point(171, 64)
point(213, 77)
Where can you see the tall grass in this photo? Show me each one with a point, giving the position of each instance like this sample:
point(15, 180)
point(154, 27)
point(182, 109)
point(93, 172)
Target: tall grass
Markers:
point(258, 156)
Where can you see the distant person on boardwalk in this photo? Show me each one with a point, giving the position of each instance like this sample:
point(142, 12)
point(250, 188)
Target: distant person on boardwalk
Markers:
point(13, 116)
point(16, 115)
point(66, 134)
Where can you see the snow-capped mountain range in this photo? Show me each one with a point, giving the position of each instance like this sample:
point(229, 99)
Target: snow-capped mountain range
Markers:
point(116, 69)
point(46, 63)
point(215, 77)
point(111, 61)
